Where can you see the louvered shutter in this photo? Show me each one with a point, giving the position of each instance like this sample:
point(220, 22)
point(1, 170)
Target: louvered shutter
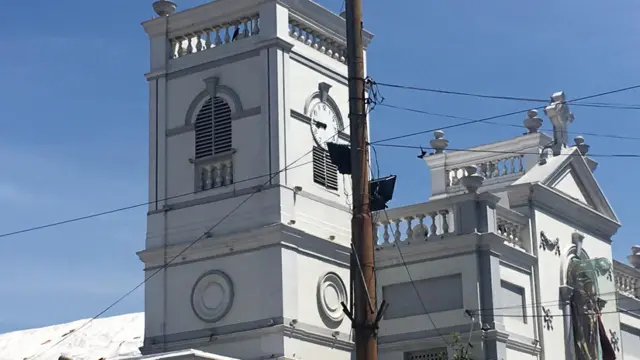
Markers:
point(325, 172)
point(204, 130)
point(221, 126)
point(213, 128)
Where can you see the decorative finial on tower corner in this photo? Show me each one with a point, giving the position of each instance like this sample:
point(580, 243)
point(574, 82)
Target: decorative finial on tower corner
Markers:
point(439, 143)
point(164, 7)
point(471, 180)
point(532, 122)
point(634, 258)
point(582, 147)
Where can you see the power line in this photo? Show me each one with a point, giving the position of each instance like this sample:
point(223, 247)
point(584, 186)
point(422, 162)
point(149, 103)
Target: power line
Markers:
point(506, 152)
point(612, 136)
point(130, 207)
point(406, 267)
point(513, 98)
point(204, 235)
point(502, 115)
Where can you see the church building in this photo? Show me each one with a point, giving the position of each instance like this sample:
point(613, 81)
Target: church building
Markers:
point(510, 257)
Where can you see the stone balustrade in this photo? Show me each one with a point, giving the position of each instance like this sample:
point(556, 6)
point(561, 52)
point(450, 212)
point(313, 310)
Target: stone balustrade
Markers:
point(627, 280)
point(511, 225)
point(317, 39)
point(213, 173)
point(214, 35)
point(414, 223)
point(504, 166)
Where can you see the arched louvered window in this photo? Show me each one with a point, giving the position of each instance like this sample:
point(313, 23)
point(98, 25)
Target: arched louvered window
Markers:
point(213, 128)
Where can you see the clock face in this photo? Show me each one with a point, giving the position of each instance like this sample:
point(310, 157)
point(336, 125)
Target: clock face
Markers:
point(324, 124)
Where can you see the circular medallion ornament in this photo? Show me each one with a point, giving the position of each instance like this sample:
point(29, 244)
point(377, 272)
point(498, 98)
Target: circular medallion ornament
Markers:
point(212, 296)
point(331, 292)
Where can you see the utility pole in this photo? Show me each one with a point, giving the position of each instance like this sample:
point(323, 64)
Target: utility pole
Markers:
point(364, 317)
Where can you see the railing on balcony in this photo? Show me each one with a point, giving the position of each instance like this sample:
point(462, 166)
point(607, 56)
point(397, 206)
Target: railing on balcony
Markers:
point(497, 167)
point(414, 223)
point(317, 39)
point(511, 225)
point(627, 280)
point(214, 35)
point(440, 218)
point(213, 173)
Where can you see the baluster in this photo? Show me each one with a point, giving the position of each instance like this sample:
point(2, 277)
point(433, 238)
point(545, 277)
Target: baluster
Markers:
point(189, 45)
point(245, 32)
point(445, 222)
point(329, 48)
point(310, 38)
point(323, 44)
point(424, 230)
point(199, 45)
point(256, 26)
point(520, 162)
point(174, 48)
point(208, 171)
point(227, 36)
point(409, 219)
point(343, 56)
point(208, 39)
point(503, 163)
point(483, 169)
point(182, 50)
point(218, 40)
point(454, 179)
point(385, 235)
point(397, 234)
point(434, 226)
point(229, 175)
point(512, 166)
point(217, 179)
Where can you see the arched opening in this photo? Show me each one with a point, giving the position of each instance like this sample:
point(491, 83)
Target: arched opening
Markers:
point(213, 128)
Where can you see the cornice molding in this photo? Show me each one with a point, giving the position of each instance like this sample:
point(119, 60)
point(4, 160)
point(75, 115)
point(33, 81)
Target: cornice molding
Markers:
point(563, 207)
point(518, 144)
point(246, 241)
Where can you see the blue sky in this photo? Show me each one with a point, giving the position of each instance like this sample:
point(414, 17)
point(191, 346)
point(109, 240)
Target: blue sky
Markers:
point(74, 122)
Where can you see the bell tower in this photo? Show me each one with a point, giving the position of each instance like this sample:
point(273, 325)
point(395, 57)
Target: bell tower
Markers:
point(248, 227)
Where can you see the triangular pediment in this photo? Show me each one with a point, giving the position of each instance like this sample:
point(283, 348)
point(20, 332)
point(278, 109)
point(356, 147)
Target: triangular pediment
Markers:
point(570, 175)
point(568, 184)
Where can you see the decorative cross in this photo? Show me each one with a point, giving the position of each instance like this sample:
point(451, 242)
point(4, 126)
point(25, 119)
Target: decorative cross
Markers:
point(560, 116)
point(548, 244)
point(548, 318)
point(615, 341)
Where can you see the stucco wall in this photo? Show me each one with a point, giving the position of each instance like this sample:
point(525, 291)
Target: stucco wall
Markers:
point(552, 270)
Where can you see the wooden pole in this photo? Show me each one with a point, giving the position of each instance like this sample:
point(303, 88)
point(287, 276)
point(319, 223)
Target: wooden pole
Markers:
point(361, 226)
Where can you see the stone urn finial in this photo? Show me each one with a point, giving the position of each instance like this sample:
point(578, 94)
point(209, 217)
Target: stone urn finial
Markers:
point(532, 122)
point(164, 8)
point(471, 180)
point(634, 258)
point(439, 143)
point(582, 147)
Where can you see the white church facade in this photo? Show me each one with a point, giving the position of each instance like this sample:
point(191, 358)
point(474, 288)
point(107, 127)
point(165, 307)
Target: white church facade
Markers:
point(513, 250)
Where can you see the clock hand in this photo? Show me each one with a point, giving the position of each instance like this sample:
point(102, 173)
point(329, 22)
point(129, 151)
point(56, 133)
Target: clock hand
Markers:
point(320, 125)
